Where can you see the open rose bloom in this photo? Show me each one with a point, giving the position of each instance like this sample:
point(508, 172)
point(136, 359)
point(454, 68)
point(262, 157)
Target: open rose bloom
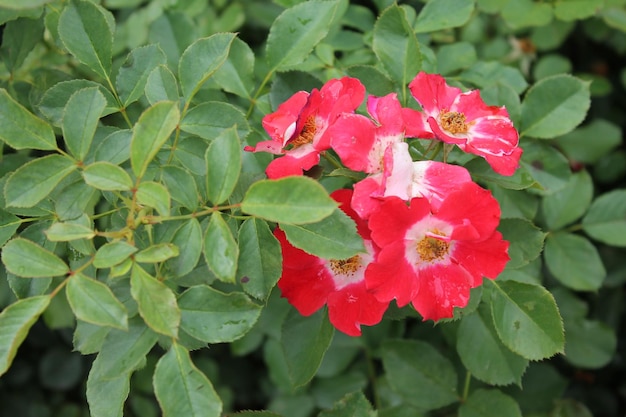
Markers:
point(429, 230)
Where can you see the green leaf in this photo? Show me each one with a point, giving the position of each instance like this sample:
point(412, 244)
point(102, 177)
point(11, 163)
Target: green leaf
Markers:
point(489, 403)
point(29, 260)
point(297, 30)
point(374, 80)
point(554, 106)
point(181, 186)
point(568, 204)
point(88, 338)
point(523, 13)
point(181, 389)
point(482, 352)
point(396, 46)
point(133, 74)
point(577, 146)
point(188, 239)
point(456, 56)
point(216, 317)
point(87, 34)
point(436, 15)
point(159, 252)
point(23, 4)
point(412, 363)
point(260, 259)
point(220, 249)
point(124, 351)
point(93, 302)
point(161, 85)
point(482, 171)
point(156, 302)
point(106, 396)
point(492, 73)
point(107, 177)
point(33, 181)
point(351, 405)
point(576, 9)
point(200, 61)
point(527, 319)
point(9, 224)
point(526, 241)
point(590, 344)
point(80, 120)
point(214, 119)
point(53, 102)
point(574, 261)
point(606, 219)
point(223, 159)
point(304, 341)
point(19, 38)
point(334, 237)
point(15, 322)
point(295, 200)
point(113, 253)
point(548, 167)
point(64, 232)
point(150, 133)
point(236, 75)
point(20, 129)
point(155, 195)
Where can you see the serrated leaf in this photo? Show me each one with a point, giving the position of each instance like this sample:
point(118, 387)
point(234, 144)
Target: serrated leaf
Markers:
point(27, 259)
point(482, 352)
point(351, 405)
point(526, 241)
point(606, 219)
point(155, 195)
point(9, 223)
point(23, 4)
point(304, 342)
point(548, 167)
point(436, 15)
point(80, 120)
point(215, 317)
point(113, 253)
point(161, 85)
point(133, 74)
point(15, 322)
point(87, 34)
point(52, 104)
point(106, 396)
point(223, 159)
point(489, 403)
point(396, 46)
point(574, 261)
point(200, 61)
point(88, 338)
point(123, 351)
point(220, 249)
point(156, 302)
point(64, 232)
point(576, 144)
point(93, 302)
point(293, 200)
point(568, 204)
point(522, 13)
point(334, 237)
point(19, 38)
point(554, 106)
point(152, 130)
point(482, 171)
point(159, 252)
point(20, 129)
point(260, 258)
point(181, 186)
point(33, 181)
point(410, 364)
point(576, 9)
point(188, 238)
point(181, 389)
point(107, 177)
point(590, 344)
point(296, 31)
point(237, 72)
point(527, 319)
point(212, 119)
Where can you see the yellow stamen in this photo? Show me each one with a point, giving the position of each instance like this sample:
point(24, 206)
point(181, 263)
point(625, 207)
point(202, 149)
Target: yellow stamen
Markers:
point(430, 249)
point(453, 122)
point(346, 266)
point(306, 135)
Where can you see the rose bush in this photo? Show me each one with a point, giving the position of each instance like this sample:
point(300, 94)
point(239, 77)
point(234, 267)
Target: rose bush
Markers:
point(312, 208)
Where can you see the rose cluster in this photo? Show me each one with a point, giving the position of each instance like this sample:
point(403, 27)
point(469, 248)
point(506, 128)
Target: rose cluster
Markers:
point(429, 230)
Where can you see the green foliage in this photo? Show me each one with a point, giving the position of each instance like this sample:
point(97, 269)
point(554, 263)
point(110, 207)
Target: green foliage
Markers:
point(136, 231)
